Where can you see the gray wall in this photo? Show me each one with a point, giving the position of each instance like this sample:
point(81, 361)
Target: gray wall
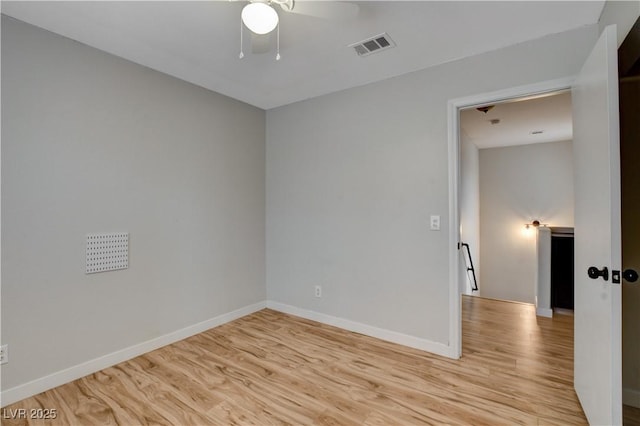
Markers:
point(353, 177)
point(520, 184)
point(92, 143)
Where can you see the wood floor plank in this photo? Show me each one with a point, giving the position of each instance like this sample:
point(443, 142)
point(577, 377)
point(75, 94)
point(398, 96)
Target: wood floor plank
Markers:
point(273, 368)
point(631, 415)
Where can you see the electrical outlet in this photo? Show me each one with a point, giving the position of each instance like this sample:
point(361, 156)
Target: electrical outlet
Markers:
point(318, 291)
point(4, 354)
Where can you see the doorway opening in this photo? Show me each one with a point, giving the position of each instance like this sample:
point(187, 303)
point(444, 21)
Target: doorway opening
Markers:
point(457, 267)
point(516, 199)
point(629, 97)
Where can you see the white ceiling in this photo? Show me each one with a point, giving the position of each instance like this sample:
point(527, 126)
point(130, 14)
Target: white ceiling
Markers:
point(198, 41)
point(549, 114)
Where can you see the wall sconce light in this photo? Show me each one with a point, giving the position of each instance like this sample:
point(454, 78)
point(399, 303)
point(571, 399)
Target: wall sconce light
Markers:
point(530, 228)
point(534, 223)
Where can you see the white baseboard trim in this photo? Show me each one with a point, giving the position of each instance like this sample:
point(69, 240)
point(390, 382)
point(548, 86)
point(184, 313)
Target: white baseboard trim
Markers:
point(368, 330)
point(70, 374)
point(544, 312)
point(631, 397)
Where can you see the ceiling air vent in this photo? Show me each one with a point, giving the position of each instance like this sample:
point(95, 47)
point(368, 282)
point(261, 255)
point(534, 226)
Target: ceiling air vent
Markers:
point(373, 45)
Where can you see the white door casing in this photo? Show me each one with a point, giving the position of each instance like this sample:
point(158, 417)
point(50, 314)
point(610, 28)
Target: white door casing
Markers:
point(457, 268)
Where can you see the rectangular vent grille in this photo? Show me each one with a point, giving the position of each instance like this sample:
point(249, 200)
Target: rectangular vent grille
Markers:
point(107, 252)
point(373, 45)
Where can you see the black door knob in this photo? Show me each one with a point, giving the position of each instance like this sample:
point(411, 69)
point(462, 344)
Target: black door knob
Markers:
point(630, 275)
point(595, 273)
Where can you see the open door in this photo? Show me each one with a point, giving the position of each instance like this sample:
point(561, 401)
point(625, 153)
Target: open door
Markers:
point(596, 146)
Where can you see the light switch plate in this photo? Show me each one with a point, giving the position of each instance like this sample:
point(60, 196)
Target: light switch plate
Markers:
point(4, 354)
point(435, 222)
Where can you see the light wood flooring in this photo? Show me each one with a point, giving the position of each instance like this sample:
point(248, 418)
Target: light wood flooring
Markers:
point(273, 368)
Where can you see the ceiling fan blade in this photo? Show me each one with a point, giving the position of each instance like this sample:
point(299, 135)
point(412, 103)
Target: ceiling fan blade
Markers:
point(260, 43)
point(335, 10)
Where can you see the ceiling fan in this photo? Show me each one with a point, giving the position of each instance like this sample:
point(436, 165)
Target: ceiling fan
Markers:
point(261, 18)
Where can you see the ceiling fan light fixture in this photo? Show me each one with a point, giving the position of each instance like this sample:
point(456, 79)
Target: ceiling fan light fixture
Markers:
point(260, 18)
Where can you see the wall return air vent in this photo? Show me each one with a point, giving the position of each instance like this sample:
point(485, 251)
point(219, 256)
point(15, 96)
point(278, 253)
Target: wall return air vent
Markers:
point(373, 45)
